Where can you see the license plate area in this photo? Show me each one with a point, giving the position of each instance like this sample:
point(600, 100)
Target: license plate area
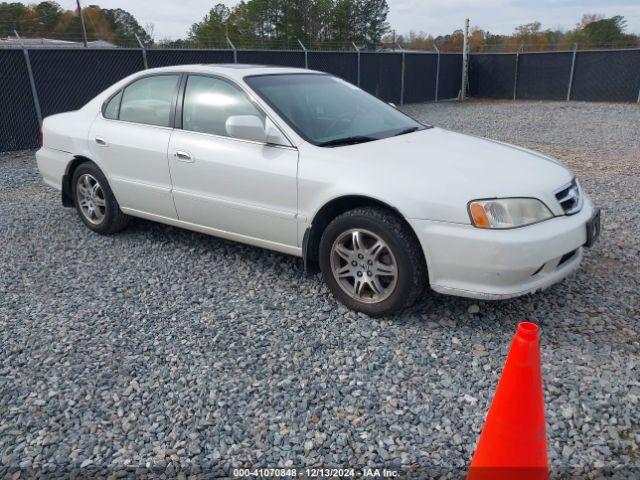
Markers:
point(593, 229)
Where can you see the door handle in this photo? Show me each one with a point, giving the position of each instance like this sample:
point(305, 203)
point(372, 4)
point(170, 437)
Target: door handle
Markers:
point(101, 141)
point(183, 156)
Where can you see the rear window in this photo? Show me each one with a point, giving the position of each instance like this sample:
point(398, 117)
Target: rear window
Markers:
point(149, 100)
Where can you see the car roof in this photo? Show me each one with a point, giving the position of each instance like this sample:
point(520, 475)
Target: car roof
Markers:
point(233, 70)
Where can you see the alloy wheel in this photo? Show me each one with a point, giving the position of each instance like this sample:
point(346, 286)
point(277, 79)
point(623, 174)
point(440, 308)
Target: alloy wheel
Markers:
point(364, 266)
point(91, 198)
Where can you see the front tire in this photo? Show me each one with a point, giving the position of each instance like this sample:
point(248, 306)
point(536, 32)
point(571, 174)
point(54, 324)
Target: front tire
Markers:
point(372, 262)
point(95, 202)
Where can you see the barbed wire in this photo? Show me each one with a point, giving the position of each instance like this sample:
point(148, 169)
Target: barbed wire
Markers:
point(533, 47)
point(57, 39)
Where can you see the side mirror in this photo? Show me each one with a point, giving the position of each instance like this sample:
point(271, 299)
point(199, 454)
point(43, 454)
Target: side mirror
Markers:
point(246, 127)
point(273, 134)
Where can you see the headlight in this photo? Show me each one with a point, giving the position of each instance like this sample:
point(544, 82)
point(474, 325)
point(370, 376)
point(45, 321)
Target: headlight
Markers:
point(507, 212)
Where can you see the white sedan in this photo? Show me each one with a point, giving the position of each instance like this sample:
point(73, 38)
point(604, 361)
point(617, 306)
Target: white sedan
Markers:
point(307, 164)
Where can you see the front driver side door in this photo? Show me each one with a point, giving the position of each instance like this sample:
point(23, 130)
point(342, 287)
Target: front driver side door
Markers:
point(235, 185)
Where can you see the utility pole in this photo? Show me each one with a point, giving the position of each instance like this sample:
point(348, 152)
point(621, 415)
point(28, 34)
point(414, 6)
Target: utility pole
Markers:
point(84, 30)
point(465, 61)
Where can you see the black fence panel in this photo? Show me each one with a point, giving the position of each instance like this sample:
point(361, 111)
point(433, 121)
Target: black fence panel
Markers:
point(420, 77)
point(266, 57)
point(19, 127)
point(381, 75)
point(492, 75)
point(612, 76)
point(450, 81)
point(66, 79)
point(340, 64)
point(544, 76)
point(165, 58)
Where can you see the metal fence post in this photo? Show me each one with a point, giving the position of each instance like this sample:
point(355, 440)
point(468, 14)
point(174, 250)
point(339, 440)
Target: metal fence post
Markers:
point(437, 71)
point(573, 66)
point(144, 51)
point(357, 50)
point(32, 82)
point(465, 61)
point(306, 55)
point(235, 52)
point(402, 78)
point(515, 75)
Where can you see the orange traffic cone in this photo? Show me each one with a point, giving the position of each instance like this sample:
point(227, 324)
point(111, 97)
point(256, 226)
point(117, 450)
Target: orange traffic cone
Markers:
point(513, 442)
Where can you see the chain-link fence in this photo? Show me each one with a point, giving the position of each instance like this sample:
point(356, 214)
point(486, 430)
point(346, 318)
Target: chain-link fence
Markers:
point(19, 120)
point(37, 82)
point(603, 76)
point(606, 76)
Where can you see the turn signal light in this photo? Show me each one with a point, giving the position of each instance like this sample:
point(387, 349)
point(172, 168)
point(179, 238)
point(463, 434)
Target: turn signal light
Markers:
point(479, 216)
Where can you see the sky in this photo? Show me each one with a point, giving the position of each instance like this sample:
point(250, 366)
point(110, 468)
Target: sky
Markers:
point(172, 18)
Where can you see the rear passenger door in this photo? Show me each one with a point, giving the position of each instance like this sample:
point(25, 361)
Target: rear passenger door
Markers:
point(129, 140)
point(242, 186)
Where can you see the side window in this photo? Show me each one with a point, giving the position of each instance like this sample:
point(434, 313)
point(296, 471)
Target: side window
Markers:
point(209, 102)
point(111, 109)
point(149, 100)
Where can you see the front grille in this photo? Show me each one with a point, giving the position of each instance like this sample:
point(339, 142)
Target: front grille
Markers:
point(570, 197)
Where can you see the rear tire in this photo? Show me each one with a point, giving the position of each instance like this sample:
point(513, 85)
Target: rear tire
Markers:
point(95, 202)
point(372, 262)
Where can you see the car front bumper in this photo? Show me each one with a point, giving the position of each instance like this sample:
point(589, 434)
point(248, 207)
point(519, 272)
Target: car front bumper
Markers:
point(499, 264)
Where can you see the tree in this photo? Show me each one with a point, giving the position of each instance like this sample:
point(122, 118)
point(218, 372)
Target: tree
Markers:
point(608, 31)
point(10, 18)
point(38, 20)
point(125, 27)
point(344, 23)
point(212, 30)
point(97, 24)
point(371, 21)
point(588, 18)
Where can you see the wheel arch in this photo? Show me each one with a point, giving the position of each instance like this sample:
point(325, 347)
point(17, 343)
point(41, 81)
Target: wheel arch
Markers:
point(67, 190)
point(329, 211)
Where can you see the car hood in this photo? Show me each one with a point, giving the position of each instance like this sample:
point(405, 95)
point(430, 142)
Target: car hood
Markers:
point(434, 173)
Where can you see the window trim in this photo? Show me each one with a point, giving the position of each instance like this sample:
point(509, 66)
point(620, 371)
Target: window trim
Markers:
point(248, 93)
point(172, 113)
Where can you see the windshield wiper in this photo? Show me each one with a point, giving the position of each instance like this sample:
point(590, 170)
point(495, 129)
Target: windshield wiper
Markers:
point(347, 141)
point(407, 130)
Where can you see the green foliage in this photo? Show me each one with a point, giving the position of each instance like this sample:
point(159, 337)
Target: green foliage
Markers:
point(602, 32)
point(284, 22)
point(126, 27)
point(10, 15)
point(47, 19)
point(328, 24)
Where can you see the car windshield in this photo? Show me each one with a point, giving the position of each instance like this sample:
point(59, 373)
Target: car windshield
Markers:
point(328, 111)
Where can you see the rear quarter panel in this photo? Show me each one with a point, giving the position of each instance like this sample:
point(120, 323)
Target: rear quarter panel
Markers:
point(64, 138)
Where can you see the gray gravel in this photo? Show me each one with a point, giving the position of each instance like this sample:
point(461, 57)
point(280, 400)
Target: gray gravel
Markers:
point(165, 351)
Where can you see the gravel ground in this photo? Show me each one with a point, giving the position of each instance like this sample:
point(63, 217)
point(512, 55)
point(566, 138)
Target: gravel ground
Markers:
point(161, 350)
